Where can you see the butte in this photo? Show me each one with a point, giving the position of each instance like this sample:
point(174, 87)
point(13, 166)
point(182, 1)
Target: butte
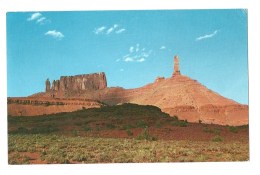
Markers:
point(178, 95)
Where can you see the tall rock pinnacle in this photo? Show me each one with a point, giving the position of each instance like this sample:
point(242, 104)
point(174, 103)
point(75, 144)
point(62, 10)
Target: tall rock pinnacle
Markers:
point(48, 85)
point(176, 66)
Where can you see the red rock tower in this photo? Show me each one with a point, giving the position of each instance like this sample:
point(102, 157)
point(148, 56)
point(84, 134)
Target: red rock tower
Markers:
point(48, 85)
point(176, 66)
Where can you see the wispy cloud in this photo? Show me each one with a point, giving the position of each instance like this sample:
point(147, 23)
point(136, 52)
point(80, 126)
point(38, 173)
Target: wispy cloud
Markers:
point(55, 34)
point(109, 30)
point(128, 59)
point(141, 60)
point(38, 18)
point(207, 36)
point(120, 31)
point(135, 54)
point(162, 47)
point(99, 30)
point(41, 20)
point(34, 16)
point(121, 70)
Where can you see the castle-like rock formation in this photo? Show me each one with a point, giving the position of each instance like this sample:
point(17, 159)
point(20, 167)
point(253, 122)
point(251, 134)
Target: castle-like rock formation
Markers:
point(90, 82)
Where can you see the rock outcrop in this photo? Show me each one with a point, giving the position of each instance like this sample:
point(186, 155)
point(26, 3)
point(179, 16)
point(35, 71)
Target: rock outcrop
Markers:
point(83, 82)
point(176, 66)
point(31, 106)
point(47, 85)
point(178, 95)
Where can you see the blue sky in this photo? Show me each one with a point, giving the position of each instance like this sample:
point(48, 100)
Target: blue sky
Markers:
point(131, 47)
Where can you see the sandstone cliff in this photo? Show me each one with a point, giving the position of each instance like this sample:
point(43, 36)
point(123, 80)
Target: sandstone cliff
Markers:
point(83, 82)
point(31, 106)
point(178, 95)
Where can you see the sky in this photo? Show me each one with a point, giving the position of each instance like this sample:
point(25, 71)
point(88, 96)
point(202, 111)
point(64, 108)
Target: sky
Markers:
point(131, 47)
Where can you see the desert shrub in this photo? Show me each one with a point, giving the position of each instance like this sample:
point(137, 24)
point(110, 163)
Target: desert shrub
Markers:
point(18, 159)
point(110, 126)
point(129, 132)
point(141, 124)
point(217, 139)
point(43, 130)
point(217, 131)
point(20, 130)
point(208, 130)
point(159, 124)
point(145, 135)
point(75, 132)
point(79, 156)
point(87, 128)
point(128, 126)
point(180, 123)
point(233, 129)
point(175, 118)
point(78, 123)
point(98, 128)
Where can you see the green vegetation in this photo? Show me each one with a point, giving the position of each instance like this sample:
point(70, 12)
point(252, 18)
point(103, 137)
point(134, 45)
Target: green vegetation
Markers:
point(207, 129)
point(75, 133)
point(121, 117)
point(145, 135)
point(126, 116)
point(87, 128)
point(141, 124)
point(129, 132)
point(217, 139)
point(62, 149)
point(180, 123)
point(233, 129)
point(158, 124)
point(149, 136)
point(110, 126)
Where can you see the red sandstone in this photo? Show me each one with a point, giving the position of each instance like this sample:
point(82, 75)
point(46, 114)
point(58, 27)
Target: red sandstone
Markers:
point(178, 95)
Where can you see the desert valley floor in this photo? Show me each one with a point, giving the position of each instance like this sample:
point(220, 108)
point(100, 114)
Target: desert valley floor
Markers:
point(122, 133)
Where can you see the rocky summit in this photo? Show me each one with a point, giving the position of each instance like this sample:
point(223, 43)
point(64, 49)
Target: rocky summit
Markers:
point(178, 95)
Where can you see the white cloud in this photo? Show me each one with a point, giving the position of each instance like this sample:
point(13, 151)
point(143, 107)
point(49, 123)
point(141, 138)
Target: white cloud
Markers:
point(136, 54)
point(162, 47)
point(99, 30)
point(128, 59)
point(55, 34)
point(38, 18)
point(110, 30)
point(41, 20)
point(120, 31)
point(207, 36)
point(131, 49)
point(141, 60)
point(34, 16)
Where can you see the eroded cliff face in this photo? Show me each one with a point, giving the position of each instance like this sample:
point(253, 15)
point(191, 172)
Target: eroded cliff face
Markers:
point(83, 82)
point(178, 95)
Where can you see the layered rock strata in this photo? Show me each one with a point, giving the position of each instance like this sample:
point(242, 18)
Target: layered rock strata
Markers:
point(178, 95)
